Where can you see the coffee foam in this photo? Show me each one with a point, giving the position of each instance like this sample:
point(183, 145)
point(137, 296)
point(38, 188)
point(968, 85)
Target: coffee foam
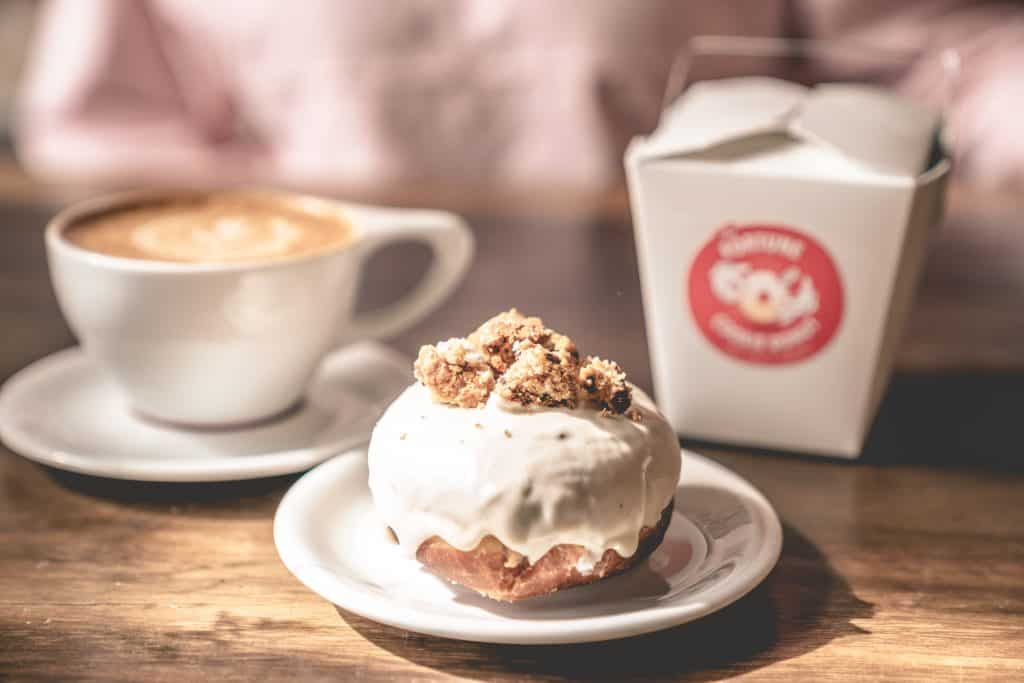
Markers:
point(224, 238)
point(216, 228)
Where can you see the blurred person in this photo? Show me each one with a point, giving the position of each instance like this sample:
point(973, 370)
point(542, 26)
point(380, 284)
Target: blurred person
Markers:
point(342, 93)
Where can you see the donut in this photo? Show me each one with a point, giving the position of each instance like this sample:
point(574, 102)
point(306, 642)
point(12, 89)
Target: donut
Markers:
point(517, 469)
point(495, 571)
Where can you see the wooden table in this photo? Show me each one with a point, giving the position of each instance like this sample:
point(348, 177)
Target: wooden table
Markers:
point(907, 565)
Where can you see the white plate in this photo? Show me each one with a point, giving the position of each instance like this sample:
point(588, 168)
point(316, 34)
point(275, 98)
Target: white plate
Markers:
point(723, 540)
point(63, 411)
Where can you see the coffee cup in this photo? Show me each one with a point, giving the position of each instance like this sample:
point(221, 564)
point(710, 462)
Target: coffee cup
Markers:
point(215, 309)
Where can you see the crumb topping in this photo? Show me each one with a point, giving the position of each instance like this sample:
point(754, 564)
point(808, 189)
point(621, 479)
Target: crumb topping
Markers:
point(605, 383)
point(539, 376)
point(523, 361)
point(456, 372)
point(496, 338)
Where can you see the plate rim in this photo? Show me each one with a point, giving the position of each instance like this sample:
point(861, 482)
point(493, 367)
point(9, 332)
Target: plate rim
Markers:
point(285, 462)
point(526, 632)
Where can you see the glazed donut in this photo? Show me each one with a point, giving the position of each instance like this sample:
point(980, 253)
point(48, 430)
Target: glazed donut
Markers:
point(526, 481)
point(492, 569)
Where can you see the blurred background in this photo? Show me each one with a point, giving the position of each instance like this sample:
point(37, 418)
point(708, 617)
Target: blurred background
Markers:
point(345, 95)
point(17, 19)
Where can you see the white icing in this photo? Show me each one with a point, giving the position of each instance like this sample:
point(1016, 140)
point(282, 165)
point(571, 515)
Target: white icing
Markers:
point(534, 478)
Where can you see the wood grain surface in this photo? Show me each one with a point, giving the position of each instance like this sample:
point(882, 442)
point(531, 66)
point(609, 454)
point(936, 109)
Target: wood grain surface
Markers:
point(906, 566)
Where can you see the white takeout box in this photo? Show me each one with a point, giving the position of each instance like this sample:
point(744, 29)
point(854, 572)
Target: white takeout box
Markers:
point(780, 232)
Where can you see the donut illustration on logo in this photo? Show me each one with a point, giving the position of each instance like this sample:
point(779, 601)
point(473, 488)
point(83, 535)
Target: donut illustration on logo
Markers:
point(765, 293)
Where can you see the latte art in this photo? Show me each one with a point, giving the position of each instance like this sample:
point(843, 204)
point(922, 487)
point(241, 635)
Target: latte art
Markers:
point(217, 228)
point(231, 238)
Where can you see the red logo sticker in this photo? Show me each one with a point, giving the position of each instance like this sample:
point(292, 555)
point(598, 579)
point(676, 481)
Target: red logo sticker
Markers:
point(765, 293)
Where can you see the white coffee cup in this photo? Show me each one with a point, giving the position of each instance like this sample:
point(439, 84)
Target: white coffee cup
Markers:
point(210, 344)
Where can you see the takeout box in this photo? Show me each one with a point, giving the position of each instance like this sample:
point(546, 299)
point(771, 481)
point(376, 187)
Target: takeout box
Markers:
point(780, 232)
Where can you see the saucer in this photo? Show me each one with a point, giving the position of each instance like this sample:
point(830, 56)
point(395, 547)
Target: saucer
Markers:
point(723, 539)
point(63, 411)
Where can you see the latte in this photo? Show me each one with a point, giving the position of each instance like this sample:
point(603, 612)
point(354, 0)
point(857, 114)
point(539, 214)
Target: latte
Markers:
point(226, 227)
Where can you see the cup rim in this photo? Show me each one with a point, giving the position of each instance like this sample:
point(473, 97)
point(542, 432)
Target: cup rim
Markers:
point(56, 227)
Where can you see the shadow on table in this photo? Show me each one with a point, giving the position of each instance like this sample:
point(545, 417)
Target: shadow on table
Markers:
point(949, 420)
point(803, 605)
point(247, 497)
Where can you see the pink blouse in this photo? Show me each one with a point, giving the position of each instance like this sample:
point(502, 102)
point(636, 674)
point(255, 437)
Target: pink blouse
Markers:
point(354, 92)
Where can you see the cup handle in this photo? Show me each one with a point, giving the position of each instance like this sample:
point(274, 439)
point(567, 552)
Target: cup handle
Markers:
point(449, 239)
